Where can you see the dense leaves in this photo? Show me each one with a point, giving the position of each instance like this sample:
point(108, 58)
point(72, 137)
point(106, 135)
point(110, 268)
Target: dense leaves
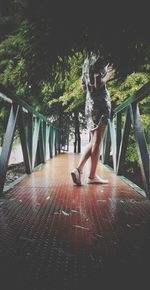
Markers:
point(47, 31)
point(43, 45)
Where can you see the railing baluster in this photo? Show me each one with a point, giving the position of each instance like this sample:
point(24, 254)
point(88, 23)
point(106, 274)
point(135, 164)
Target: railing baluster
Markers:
point(51, 142)
point(54, 143)
point(41, 144)
point(30, 134)
point(113, 141)
point(35, 141)
point(47, 145)
point(141, 146)
point(118, 133)
point(44, 140)
point(7, 144)
point(106, 146)
point(24, 144)
point(124, 142)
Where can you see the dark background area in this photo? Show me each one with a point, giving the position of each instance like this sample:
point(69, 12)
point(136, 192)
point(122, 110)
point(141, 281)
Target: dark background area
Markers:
point(119, 30)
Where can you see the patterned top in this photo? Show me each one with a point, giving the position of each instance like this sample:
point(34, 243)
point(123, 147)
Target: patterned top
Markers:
point(98, 104)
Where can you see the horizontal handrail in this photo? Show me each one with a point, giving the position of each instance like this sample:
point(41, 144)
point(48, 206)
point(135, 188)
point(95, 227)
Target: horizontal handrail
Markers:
point(8, 96)
point(139, 95)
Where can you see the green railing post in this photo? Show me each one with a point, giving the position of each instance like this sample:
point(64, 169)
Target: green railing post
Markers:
point(7, 144)
point(37, 135)
point(113, 141)
point(35, 141)
point(47, 141)
point(30, 135)
point(44, 139)
point(124, 143)
point(24, 144)
point(106, 146)
point(118, 133)
point(51, 141)
point(141, 147)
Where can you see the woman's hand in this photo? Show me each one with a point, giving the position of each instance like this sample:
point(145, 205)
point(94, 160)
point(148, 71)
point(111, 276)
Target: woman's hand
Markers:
point(109, 72)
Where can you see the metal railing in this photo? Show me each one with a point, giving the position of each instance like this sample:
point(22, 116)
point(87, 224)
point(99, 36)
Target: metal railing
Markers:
point(117, 137)
point(38, 137)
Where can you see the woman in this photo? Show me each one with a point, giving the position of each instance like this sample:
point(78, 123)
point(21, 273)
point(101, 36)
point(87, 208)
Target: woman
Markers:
point(97, 112)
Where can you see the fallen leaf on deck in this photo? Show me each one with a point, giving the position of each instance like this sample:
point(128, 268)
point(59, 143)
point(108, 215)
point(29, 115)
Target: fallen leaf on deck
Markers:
point(80, 227)
point(129, 226)
point(65, 213)
point(48, 197)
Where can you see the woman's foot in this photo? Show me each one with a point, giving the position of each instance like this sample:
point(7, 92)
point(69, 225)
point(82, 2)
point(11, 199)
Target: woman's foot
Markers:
point(97, 179)
point(76, 176)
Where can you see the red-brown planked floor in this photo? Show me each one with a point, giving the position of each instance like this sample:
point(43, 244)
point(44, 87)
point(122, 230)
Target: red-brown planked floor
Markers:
point(56, 235)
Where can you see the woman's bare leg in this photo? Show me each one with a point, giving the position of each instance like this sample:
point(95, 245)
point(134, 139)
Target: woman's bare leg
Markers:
point(86, 154)
point(92, 150)
point(95, 150)
point(76, 172)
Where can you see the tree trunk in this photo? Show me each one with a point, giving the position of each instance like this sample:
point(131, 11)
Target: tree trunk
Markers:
point(60, 127)
point(77, 143)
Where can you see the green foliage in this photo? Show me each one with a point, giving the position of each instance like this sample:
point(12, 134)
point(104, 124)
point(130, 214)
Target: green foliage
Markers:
point(131, 154)
point(4, 111)
point(120, 91)
point(64, 84)
point(73, 95)
point(13, 71)
point(145, 119)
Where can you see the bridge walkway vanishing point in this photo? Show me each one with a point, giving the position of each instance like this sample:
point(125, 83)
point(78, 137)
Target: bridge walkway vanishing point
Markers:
point(56, 235)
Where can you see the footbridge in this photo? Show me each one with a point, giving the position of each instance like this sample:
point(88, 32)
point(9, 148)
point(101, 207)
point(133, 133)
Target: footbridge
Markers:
point(56, 235)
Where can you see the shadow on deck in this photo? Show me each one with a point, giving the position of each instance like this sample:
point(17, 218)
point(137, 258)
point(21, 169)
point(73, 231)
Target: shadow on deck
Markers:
point(55, 235)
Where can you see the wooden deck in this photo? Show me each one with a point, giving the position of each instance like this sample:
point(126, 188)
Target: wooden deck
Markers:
point(56, 235)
